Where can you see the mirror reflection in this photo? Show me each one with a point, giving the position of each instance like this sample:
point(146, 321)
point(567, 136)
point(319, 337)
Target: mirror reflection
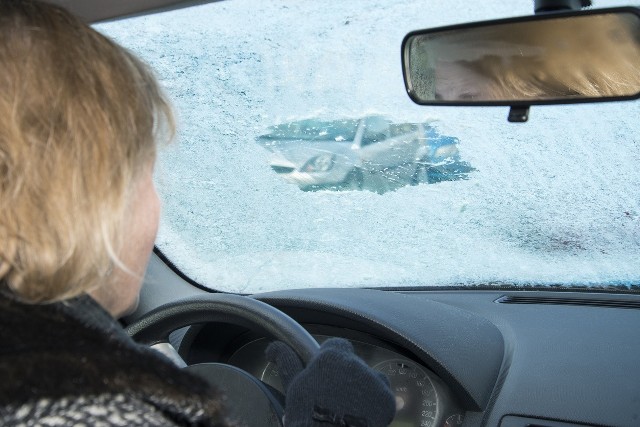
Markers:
point(570, 58)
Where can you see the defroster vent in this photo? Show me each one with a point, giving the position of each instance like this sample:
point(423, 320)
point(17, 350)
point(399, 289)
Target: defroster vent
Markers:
point(570, 300)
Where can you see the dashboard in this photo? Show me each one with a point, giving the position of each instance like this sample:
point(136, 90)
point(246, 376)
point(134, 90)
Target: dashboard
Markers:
point(466, 358)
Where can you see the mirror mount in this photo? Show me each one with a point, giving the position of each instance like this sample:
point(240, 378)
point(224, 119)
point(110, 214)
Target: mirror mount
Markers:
point(550, 6)
point(518, 114)
point(521, 114)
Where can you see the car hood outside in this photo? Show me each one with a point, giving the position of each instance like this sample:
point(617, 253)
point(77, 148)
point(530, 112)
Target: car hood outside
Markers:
point(299, 151)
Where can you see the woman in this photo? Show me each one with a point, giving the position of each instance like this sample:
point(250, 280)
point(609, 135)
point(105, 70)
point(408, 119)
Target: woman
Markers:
point(80, 118)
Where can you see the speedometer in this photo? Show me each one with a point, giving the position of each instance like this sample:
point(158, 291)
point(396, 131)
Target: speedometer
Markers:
point(416, 397)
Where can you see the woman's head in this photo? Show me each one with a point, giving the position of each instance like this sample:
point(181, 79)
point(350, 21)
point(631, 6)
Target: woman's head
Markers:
point(79, 117)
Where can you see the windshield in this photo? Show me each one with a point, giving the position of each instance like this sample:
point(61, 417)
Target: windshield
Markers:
point(300, 161)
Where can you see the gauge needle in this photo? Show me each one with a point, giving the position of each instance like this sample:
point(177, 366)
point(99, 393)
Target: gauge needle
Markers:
point(399, 403)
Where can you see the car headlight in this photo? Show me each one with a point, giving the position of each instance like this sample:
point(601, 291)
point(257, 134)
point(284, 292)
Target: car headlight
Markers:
point(320, 163)
point(449, 150)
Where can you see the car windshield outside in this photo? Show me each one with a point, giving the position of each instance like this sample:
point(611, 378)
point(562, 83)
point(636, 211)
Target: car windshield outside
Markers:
point(300, 161)
point(314, 130)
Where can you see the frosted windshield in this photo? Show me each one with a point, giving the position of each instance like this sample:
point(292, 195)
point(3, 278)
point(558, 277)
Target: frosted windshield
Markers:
point(351, 183)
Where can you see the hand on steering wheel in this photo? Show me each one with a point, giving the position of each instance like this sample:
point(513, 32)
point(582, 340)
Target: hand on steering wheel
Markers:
point(335, 389)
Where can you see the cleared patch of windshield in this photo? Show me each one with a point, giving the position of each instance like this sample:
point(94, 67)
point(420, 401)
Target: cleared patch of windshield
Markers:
point(419, 197)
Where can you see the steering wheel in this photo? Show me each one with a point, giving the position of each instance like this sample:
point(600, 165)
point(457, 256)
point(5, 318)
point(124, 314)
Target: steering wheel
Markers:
point(252, 402)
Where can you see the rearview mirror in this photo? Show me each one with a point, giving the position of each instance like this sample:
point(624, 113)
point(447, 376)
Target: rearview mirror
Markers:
point(542, 59)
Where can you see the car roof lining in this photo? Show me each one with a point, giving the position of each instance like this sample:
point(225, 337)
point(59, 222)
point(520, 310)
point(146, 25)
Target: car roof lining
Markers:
point(92, 11)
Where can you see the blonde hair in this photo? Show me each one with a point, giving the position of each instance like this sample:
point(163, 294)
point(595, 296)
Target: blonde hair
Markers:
point(568, 71)
point(79, 117)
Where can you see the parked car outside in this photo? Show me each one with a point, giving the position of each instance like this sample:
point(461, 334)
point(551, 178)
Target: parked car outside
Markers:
point(370, 153)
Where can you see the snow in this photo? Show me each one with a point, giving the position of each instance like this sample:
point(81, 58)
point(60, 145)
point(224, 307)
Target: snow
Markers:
point(554, 200)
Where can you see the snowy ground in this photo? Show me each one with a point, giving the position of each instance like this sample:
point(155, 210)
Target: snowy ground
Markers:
point(555, 200)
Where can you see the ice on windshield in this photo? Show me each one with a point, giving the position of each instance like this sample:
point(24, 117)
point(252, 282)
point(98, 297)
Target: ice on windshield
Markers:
point(552, 201)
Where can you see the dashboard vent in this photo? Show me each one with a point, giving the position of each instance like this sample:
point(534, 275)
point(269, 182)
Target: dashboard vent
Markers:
point(595, 302)
point(513, 421)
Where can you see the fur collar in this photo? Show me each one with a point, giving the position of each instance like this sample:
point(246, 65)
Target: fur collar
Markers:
point(75, 348)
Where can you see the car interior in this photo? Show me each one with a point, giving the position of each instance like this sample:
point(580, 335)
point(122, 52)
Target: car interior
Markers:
point(488, 353)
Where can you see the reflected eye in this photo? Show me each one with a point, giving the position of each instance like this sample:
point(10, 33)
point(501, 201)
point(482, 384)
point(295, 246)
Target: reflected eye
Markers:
point(468, 96)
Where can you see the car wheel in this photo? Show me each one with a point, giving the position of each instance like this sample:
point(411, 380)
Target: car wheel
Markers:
point(354, 180)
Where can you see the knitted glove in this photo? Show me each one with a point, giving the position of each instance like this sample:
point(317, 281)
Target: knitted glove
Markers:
point(336, 389)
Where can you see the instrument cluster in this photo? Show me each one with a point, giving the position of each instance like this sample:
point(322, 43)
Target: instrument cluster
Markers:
point(422, 399)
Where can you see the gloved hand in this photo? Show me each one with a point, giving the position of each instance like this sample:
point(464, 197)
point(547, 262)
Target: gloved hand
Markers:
point(336, 388)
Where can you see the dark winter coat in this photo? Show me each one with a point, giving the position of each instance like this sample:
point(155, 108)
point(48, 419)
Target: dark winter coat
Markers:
point(71, 363)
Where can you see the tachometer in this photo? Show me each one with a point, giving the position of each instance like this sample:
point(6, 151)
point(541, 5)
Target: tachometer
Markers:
point(416, 397)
